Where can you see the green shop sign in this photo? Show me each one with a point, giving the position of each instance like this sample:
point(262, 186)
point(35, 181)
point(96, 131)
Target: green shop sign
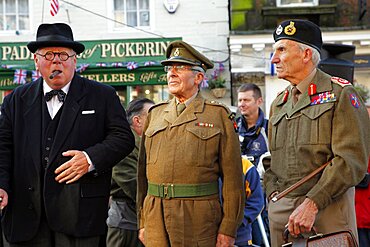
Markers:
point(115, 62)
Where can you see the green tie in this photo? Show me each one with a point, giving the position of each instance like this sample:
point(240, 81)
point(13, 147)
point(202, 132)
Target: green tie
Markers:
point(180, 108)
point(295, 94)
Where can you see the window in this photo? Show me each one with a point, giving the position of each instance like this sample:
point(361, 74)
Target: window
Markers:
point(296, 3)
point(131, 12)
point(14, 15)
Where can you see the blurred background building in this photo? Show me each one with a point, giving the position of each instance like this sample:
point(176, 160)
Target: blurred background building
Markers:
point(126, 40)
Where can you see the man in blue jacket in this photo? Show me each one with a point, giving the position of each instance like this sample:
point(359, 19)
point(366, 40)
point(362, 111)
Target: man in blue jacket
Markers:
point(252, 129)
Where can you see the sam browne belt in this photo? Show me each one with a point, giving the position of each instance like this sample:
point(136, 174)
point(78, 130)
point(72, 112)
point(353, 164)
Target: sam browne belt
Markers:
point(182, 190)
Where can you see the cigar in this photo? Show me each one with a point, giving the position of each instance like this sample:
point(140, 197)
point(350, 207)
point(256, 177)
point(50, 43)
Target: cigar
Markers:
point(54, 74)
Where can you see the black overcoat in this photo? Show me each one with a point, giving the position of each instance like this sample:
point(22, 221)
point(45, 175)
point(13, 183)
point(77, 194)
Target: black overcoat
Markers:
point(92, 120)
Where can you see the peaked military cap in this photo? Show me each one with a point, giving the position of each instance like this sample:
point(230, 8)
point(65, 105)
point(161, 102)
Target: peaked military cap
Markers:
point(302, 31)
point(179, 51)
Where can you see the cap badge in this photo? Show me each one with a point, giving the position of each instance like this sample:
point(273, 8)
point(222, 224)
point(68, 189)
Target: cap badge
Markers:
point(176, 53)
point(290, 29)
point(279, 30)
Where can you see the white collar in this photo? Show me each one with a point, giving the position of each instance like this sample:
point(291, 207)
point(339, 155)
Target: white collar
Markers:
point(47, 88)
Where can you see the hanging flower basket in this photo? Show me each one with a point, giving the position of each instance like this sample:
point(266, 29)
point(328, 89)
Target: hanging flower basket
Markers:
point(219, 92)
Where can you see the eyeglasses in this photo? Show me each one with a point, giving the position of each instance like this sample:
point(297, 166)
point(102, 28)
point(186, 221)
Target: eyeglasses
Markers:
point(63, 56)
point(180, 68)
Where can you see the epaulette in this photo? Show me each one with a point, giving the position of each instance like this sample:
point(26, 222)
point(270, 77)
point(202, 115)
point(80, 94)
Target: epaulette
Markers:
point(216, 103)
point(340, 81)
point(231, 114)
point(159, 104)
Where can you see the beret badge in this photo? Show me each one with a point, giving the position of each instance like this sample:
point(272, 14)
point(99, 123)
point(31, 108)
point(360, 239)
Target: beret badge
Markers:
point(279, 30)
point(290, 29)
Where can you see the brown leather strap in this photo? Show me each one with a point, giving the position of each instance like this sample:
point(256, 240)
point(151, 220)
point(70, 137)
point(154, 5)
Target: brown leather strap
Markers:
point(299, 183)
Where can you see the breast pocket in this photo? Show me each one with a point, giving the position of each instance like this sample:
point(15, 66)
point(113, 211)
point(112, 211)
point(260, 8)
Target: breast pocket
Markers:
point(202, 144)
point(315, 124)
point(153, 140)
point(278, 131)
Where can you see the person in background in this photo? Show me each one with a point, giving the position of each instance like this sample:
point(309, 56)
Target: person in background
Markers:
point(187, 144)
point(308, 127)
point(122, 217)
point(253, 203)
point(60, 136)
point(362, 204)
point(252, 129)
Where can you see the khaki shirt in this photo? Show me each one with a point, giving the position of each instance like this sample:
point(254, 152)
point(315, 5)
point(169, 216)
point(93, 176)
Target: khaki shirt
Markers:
point(305, 136)
point(197, 147)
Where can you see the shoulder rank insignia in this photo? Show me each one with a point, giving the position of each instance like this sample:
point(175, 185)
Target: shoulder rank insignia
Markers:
point(321, 98)
point(232, 118)
point(354, 100)
point(340, 81)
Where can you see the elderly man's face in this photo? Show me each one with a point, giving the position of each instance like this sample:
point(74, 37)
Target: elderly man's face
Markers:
point(289, 59)
point(46, 67)
point(183, 83)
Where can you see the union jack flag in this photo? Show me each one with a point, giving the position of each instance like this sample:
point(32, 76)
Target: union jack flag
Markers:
point(101, 65)
point(20, 76)
point(35, 75)
point(82, 67)
point(149, 63)
point(54, 7)
point(117, 64)
point(132, 65)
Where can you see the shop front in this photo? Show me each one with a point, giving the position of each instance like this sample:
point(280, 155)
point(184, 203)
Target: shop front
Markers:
point(131, 66)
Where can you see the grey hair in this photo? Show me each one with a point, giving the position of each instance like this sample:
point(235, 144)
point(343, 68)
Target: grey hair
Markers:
point(315, 53)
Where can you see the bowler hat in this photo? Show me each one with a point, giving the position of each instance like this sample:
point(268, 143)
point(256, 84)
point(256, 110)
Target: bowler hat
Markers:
point(55, 35)
point(179, 51)
point(302, 31)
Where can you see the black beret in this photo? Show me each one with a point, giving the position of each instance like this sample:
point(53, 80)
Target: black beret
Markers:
point(179, 51)
point(302, 31)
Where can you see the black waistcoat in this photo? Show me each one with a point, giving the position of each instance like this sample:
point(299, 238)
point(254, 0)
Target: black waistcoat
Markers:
point(49, 128)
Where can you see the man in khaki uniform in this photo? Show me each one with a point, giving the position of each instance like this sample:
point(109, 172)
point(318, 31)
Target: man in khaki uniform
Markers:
point(318, 118)
point(181, 158)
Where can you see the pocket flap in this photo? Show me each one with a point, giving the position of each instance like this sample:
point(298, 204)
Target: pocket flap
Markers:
point(316, 111)
point(204, 133)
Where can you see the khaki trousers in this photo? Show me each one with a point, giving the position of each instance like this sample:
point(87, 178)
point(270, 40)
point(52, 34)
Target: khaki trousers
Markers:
point(338, 216)
point(181, 222)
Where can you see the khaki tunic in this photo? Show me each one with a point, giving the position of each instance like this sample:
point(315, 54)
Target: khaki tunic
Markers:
point(305, 136)
point(179, 150)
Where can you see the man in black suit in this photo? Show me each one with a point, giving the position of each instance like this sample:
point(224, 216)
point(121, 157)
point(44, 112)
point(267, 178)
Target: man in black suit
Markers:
point(59, 138)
